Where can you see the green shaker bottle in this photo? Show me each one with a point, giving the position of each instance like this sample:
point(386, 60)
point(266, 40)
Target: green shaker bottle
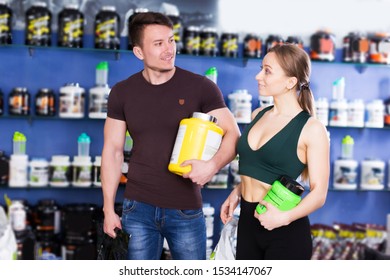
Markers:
point(19, 143)
point(285, 194)
point(212, 74)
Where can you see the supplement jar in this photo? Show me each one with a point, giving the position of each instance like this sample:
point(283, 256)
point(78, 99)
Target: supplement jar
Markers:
point(285, 194)
point(38, 172)
point(375, 114)
point(107, 22)
point(72, 100)
point(6, 15)
point(18, 171)
point(82, 171)
point(191, 40)
point(345, 174)
point(71, 27)
point(252, 46)
point(372, 175)
point(198, 137)
point(322, 110)
point(240, 104)
point(59, 171)
point(38, 25)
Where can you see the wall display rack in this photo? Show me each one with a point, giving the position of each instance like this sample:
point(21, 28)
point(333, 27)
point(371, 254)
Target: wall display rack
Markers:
point(52, 67)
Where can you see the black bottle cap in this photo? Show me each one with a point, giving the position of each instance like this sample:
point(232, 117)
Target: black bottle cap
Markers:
point(291, 185)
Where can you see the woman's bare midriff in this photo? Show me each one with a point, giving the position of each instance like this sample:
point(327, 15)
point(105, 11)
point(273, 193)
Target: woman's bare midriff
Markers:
point(253, 190)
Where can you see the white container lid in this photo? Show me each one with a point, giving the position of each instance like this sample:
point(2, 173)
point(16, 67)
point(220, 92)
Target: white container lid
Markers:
point(39, 162)
point(82, 159)
point(208, 211)
point(374, 162)
point(346, 162)
point(98, 160)
point(19, 158)
point(58, 159)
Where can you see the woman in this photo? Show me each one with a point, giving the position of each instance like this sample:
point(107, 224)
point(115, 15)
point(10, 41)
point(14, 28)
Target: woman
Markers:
point(283, 139)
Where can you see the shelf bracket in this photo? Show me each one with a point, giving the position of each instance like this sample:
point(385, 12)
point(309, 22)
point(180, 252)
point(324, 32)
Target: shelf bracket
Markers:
point(361, 68)
point(31, 51)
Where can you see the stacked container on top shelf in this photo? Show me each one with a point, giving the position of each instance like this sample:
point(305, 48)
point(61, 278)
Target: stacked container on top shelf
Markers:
point(6, 14)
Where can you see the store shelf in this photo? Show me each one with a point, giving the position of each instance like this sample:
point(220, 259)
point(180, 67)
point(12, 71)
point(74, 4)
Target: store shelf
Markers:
point(45, 118)
point(52, 67)
point(33, 49)
point(54, 188)
point(385, 190)
point(239, 60)
point(5, 187)
point(354, 127)
point(359, 67)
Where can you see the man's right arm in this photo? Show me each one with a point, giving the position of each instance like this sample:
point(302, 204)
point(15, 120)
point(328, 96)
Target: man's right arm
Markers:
point(112, 159)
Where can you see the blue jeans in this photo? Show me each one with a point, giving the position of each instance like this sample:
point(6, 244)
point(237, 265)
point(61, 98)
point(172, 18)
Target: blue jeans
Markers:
point(184, 230)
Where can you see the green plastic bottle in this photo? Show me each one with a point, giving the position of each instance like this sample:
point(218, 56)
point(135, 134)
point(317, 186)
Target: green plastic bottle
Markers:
point(84, 142)
point(212, 74)
point(19, 143)
point(285, 194)
point(347, 147)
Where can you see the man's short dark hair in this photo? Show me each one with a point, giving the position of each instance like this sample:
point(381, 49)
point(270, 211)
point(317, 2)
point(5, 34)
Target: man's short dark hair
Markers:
point(141, 20)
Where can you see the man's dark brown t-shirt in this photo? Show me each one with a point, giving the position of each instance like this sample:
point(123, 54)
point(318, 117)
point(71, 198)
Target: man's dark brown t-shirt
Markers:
point(152, 114)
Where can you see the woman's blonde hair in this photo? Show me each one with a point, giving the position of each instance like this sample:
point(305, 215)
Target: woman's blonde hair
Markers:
point(295, 62)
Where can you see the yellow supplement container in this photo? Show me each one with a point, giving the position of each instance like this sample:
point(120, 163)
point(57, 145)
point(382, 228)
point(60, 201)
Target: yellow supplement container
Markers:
point(198, 137)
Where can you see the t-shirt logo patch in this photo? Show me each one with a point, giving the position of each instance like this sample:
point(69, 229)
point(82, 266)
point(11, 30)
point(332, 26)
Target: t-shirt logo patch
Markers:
point(181, 101)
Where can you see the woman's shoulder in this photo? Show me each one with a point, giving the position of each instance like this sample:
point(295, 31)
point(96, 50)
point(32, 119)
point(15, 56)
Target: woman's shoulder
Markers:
point(315, 128)
point(258, 110)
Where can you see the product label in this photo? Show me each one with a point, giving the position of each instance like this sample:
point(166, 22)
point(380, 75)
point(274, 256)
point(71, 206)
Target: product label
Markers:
point(18, 219)
point(213, 141)
point(82, 174)
point(98, 102)
point(39, 175)
point(345, 175)
point(106, 30)
point(4, 23)
point(375, 117)
point(18, 174)
point(355, 117)
point(73, 30)
point(177, 28)
point(230, 45)
point(192, 43)
point(60, 174)
point(372, 175)
point(38, 28)
point(252, 47)
point(338, 117)
point(96, 175)
point(71, 103)
point(178, 144)
point(209, 44)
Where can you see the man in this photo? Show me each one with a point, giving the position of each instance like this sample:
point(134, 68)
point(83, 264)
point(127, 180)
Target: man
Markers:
point(150, 105)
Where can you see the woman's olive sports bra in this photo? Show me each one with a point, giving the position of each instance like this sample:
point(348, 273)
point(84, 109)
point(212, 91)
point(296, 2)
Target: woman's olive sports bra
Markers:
point(276, 157)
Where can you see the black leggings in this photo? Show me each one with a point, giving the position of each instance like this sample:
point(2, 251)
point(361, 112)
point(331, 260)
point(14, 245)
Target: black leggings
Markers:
point(254, 242)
